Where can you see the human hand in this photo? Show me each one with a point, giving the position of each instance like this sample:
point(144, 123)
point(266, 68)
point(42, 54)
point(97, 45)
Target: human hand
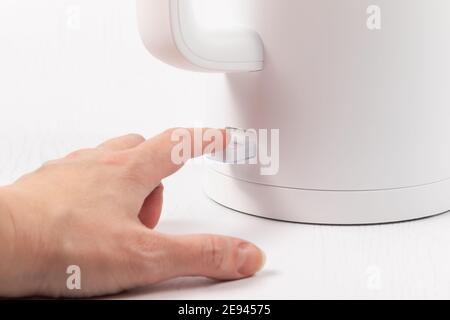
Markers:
point(97, 209)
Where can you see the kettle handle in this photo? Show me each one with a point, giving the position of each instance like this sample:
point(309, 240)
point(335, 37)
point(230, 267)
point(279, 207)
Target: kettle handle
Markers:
point(171, 33)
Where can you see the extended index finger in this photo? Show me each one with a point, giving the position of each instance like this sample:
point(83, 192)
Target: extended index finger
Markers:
point(166, 153)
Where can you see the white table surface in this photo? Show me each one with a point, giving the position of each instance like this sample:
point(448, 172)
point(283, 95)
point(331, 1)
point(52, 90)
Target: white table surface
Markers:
point(405, 260)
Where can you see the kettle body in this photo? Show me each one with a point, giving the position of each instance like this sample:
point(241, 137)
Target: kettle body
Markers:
point(359, 92)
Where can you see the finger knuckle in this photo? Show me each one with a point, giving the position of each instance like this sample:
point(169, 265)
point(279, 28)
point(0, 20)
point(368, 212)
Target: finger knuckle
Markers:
point(115, 158)
point(143, 241)
point(136, 137)
point(124, 165)
point(79, 153)
point(47, 166)
point(176, 131)
point(136, 245)
point(131, 173)
point(145, 250)
point(171, 130)
point(213, 253)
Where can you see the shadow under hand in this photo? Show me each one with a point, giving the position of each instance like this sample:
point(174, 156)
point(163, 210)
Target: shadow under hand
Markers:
point(189, 287)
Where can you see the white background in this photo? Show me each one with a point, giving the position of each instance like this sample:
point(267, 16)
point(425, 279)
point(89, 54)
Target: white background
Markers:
point(73, 73)
point(75, 70)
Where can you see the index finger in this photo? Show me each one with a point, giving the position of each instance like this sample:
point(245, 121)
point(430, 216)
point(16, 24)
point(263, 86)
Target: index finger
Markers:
point(169, 151)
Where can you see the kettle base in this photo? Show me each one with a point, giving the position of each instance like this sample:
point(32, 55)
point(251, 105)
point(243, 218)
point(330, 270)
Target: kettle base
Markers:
point(328, 207)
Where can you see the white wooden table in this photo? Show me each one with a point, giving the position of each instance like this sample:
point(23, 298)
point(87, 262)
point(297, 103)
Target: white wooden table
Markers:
point(406, 260)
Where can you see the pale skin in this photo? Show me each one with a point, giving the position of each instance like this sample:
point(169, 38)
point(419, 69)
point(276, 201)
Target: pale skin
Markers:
point(98, 209)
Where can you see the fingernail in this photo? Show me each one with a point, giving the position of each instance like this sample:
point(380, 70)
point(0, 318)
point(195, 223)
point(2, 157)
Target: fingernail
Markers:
point(251, 259)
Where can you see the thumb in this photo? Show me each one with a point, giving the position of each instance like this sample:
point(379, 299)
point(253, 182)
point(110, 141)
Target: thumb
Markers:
point(213, 256)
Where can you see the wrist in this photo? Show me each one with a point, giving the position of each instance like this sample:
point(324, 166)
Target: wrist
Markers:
point(7, 241)
point(21, 249)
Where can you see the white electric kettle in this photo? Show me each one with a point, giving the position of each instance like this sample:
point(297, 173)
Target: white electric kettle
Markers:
point(359, 90)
